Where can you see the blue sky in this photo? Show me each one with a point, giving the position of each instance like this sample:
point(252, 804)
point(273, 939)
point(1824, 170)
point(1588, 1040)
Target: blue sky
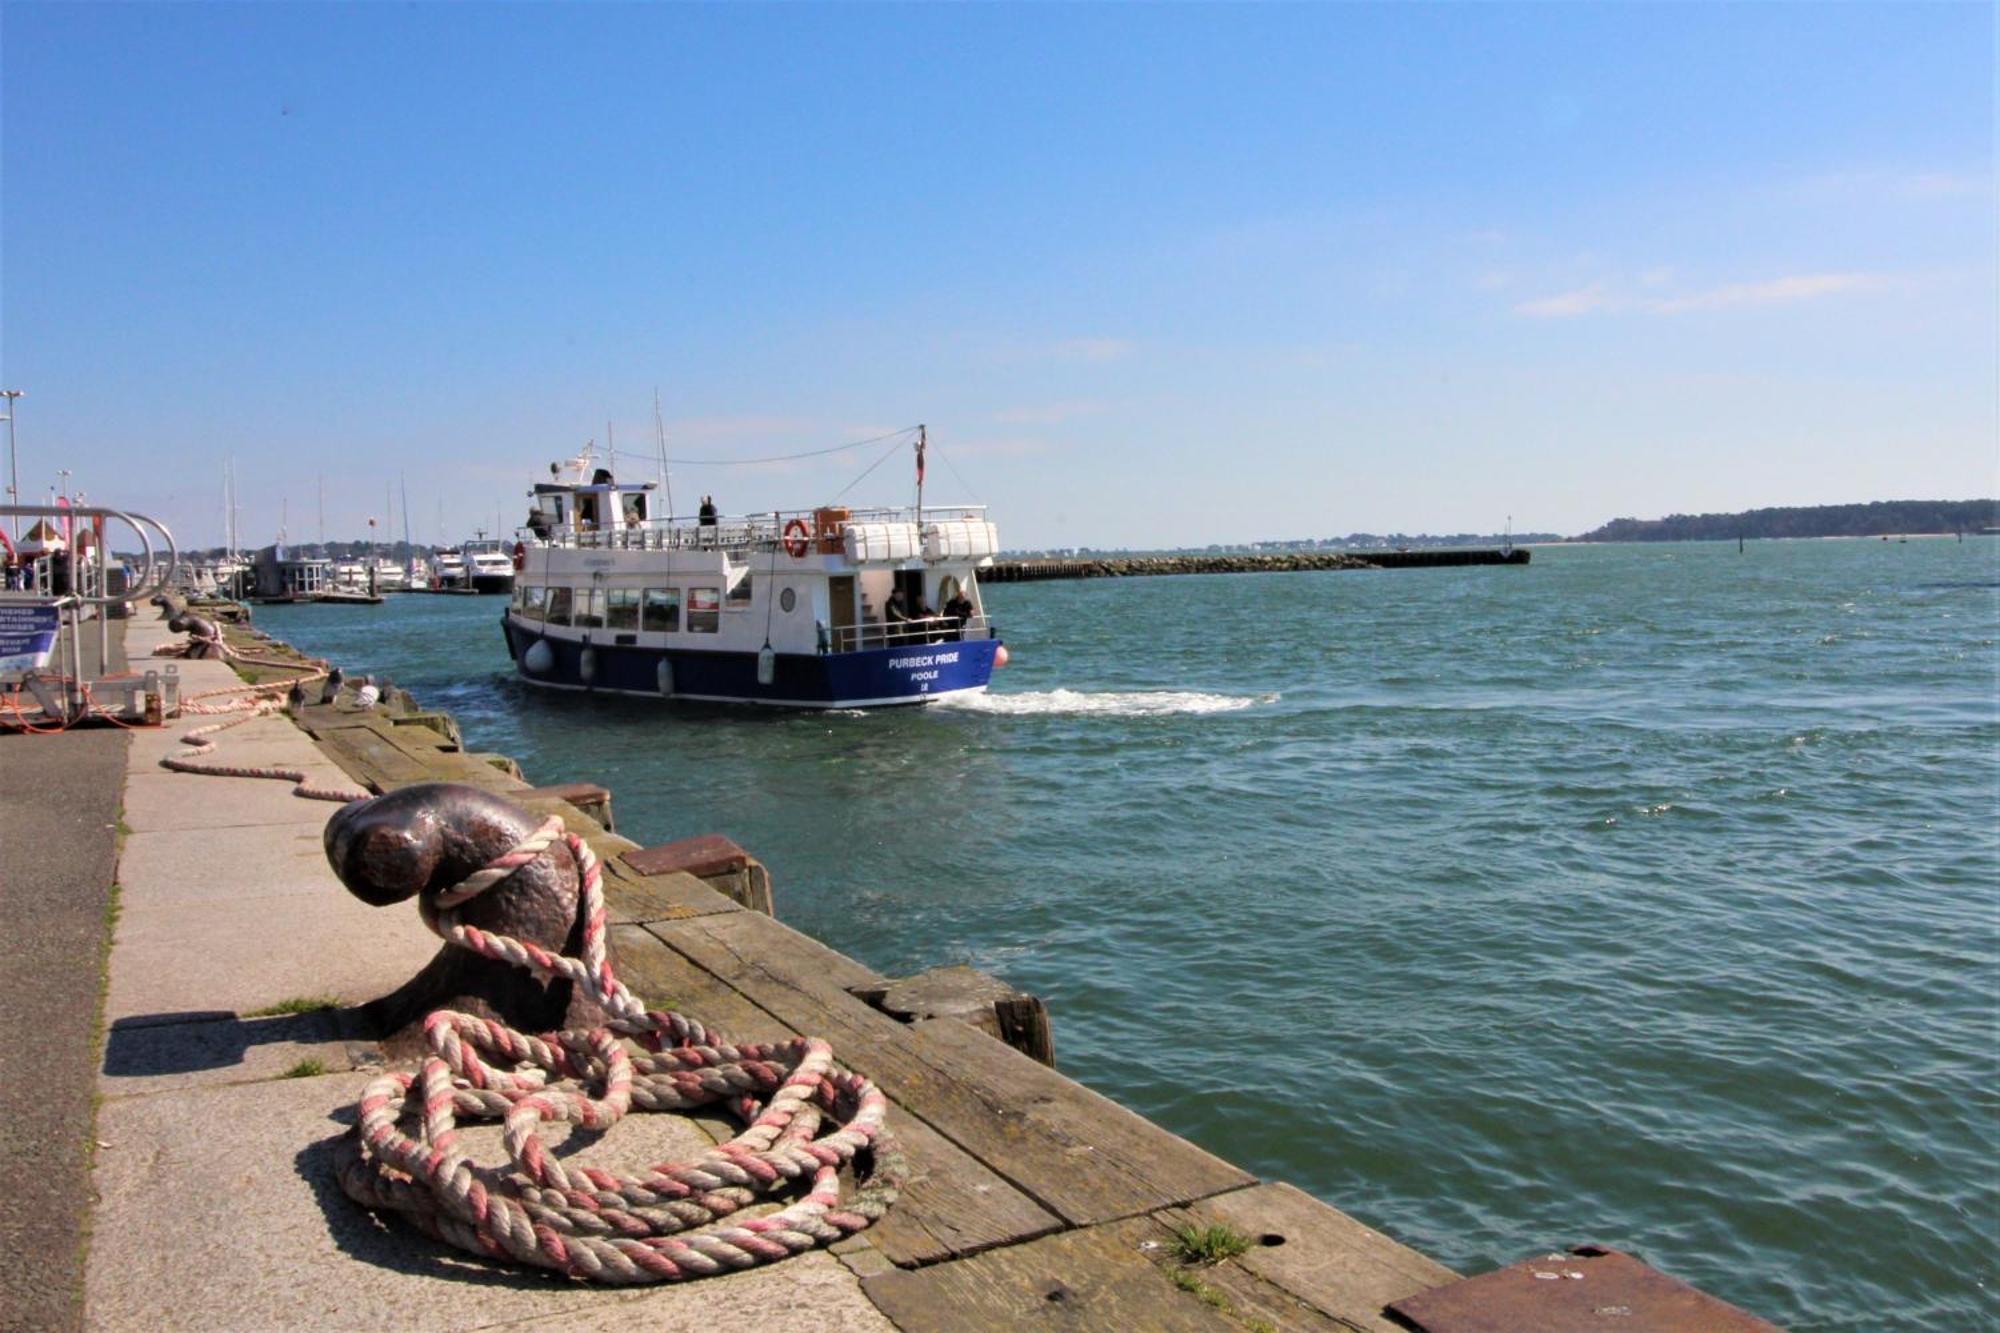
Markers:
point(1152, 275)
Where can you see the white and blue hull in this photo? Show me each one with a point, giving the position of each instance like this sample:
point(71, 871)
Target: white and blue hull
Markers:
point(914, 673)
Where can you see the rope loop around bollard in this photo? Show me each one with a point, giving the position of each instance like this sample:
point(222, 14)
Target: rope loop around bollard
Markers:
point(805, 1119)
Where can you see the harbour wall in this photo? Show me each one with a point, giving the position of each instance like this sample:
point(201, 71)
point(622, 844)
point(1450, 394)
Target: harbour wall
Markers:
point(1028, 571)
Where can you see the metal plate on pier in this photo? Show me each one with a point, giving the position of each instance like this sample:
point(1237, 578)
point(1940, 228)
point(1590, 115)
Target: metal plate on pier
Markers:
point(1587, 1290)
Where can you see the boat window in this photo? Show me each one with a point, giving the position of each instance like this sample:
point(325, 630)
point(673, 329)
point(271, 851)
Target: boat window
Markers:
point(529, 603)
point(558, 606)
point(587, 608)
point(622, 611)
point(662, 610)
point(739, 596)
point(635, 508)
point(704, 610)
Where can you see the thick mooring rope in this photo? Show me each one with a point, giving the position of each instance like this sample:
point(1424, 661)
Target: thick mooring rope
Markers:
point(666, 1224)
point(201, 747)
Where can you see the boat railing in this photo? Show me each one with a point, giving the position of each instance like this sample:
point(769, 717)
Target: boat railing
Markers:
point(906, 633)
point(736, 533)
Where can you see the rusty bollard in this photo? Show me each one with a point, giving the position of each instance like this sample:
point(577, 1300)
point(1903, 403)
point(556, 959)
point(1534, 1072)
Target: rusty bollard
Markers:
point(420, 840)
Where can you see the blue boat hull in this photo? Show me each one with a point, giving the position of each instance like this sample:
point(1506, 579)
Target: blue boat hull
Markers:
point(911, 674)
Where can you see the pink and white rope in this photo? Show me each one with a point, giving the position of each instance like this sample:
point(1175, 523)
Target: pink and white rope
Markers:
point(806, 1118)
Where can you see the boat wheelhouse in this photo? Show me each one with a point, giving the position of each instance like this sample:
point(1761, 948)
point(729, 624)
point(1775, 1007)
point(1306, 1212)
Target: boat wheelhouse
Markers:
point(823, 608)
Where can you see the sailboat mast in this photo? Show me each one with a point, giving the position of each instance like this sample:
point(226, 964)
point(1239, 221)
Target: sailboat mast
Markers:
point(409, 551)
point(660, 442)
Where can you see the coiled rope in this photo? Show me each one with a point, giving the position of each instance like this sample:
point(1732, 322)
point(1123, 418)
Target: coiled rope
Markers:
point(673, 1221)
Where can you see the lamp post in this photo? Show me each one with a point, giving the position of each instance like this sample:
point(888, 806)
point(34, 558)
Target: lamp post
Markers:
point(13, 397)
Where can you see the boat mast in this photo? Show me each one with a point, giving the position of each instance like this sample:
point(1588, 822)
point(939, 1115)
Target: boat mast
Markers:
point(409, 551)
point(660, 441)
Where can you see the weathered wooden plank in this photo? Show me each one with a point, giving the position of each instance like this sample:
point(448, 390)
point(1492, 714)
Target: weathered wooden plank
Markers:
point(363, 752)
point(704, 854)
point(952, 1204)
point(970, 996)
point(631, 899)
point(1096, 1278)
point(1318, 1254)
point(1081, 1156)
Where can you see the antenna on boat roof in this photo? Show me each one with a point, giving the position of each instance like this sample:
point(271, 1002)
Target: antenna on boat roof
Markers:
point(660, 441)
point(610, 448)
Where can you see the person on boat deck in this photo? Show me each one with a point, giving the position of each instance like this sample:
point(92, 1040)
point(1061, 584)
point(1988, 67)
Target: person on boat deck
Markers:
point(958, 607)
point(706, 516)
point(896, 611)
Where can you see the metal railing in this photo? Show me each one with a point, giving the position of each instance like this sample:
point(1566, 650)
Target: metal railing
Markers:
point(752, 532)
point(66, 584)
point(906, 633)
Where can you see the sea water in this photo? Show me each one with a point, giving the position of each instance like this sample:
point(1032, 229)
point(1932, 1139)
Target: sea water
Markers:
point(1647, 895)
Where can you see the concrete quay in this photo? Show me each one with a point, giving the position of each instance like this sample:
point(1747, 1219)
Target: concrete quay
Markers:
point(1033, 1202)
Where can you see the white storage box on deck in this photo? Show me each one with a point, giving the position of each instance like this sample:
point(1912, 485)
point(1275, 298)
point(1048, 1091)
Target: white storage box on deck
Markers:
point(960, 539)
point(876, 543)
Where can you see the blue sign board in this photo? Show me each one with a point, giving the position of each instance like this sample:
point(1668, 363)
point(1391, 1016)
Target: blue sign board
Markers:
point(27, 633)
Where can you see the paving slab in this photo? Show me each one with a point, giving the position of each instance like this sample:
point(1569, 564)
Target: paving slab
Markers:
point(174, 959)
point(265, 736)
point(163, 800)
point(228, 865)
point(144, 1057)
point(218, 1211)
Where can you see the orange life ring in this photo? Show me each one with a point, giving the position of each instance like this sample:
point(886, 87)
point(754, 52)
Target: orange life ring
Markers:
point(798, 538)
point(520, 557)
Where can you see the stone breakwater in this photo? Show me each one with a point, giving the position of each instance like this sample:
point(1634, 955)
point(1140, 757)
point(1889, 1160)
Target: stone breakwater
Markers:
point(1025, 571)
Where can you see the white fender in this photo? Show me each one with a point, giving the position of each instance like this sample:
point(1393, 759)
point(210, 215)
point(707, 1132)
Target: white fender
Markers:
point(540, 659)
point(664, 674)
point(767, 664)
point(586, 664)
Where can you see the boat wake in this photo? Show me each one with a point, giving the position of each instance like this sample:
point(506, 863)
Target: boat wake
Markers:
point(1110, 703)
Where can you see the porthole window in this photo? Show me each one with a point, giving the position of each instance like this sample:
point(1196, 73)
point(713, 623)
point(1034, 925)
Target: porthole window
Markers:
point(787, 600)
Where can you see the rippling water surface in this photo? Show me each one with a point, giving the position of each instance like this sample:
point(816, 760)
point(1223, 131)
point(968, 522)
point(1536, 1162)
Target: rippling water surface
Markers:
point(1646, 895)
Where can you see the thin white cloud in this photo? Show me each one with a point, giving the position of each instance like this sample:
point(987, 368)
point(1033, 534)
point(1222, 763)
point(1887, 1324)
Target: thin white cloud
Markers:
point(1602, 296)
point(1564, 305)
point(1013, 446)
point(1091, 349)
point(1881, 184)
point(1775, 291)
point(1047, 414)
point(736, 428)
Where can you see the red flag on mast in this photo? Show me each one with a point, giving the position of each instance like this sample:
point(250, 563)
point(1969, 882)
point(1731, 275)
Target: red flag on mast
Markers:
point(920, 460)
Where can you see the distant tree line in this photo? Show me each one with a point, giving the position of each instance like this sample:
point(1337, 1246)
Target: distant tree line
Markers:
point(1879, 518)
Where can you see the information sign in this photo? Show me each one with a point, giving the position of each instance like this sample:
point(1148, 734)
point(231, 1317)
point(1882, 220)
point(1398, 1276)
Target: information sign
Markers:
point(27, 634)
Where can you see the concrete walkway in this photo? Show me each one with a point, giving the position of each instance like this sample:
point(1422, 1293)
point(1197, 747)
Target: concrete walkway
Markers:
point(216, 1205)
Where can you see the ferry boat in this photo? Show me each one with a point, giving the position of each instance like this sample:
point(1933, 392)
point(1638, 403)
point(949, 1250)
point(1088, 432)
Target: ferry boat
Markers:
point(822, 608)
